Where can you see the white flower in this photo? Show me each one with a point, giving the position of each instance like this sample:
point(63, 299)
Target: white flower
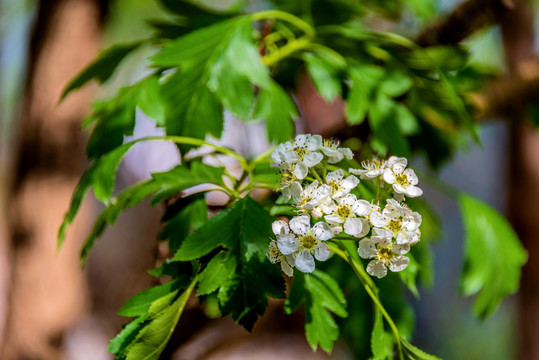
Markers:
point(402, 222)
point(346, 212)
point(302, 241)
point(334, 153)
point(311, 196)
point(403, 180)
point(385, 253)
point(372, 169)
point(275, 256)
point(340, 186)
point(298, 157)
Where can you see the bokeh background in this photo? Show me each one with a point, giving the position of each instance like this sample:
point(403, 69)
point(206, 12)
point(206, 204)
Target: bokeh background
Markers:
point(50, 308)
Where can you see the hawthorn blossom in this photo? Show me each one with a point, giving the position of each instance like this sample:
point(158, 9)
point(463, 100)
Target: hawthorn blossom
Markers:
point(340, 185)
point(311, 196)
point(372, 169)
point(276, 256)
point(347, 212)
point(296, 158)
point(402, 222)
point(384, 252)
point(302, 241)
point(335, 154)
point(403, 180)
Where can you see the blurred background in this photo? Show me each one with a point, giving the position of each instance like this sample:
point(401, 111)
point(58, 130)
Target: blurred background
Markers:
point(50, 308)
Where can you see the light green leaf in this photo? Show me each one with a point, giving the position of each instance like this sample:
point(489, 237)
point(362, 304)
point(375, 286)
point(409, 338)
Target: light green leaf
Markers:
point(219, 269)
point(277, 108)
point(102, 68)
point(245, 231)
point(395, 84)
point(163, 316)
point(125, 337)
point(357, 101)
point(149, 100)
point(384, 124)
point(324, 75)
point(414, 353)
point(140, 304)
point(493, 256)
point(381, 341)
point(323, 295)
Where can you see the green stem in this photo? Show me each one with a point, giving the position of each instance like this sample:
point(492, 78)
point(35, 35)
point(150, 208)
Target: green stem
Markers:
point(281, 15)
point(196, 142)
point(315, 174)
point(287, 50)
point(372, 290)
point(260, 158)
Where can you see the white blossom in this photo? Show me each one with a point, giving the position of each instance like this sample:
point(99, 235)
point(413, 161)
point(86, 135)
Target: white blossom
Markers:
point(371, 169)
point(403, 180)
point(402, 222)
point(276, 256)
point(296, 158)
point(302, 241)
point(384, 252)
point(339, 184)
point(347, 212)
point(311, 196)
point(335, 154)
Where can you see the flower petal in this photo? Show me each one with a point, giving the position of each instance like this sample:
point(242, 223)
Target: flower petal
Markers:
point(287, 244)
point(314, 142)
point(301, 170)
point(296, 189)
point(347, 153)
point(322, 231)
point(335, 176)
point(413, 191)
point(401, 249)
point(350, 182)
point(367, 249)
point(362, 208)
point(398, 263)
point(279, 226)
point(305, 262)
point(365, 227)
point(321, 252)
point(388, 176)
point(377, 219)
point(353, 226)
point(377, 268)
point(333, 219)
point(313, 159)
point(300, 224)
point(287, 269)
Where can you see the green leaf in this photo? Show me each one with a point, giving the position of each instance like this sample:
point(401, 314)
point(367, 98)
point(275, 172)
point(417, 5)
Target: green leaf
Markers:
point(129, 197)
point(219, 269)
point(126, 336)
point(150, 102)
point(323, 295)
point(381, 341)
point(193, 214)
point(181, 177)
point(414, 353)
point(493, 256)
point(409, 276)
point(237, 69)
point(383, 123)
point(244, 230)
point(406, 120)
point(140, 304)
point(102, 68)
point(296, 293)
point(277, 108)
point(163, 316)
point(101, 175)
point(324, 74)
point(357, 101)
point(395, 83)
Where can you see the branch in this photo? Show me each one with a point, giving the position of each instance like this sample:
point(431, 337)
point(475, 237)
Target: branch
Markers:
point(466, 19)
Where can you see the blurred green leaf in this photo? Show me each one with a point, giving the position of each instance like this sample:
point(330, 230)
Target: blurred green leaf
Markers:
point(150, 102)
point(244, 230)
point(103, 67)
point(140, 304)
point(413, 353)
point(493, 256)
point(324, 74)
point(383, 121)
point(381, 341)
point(395, 83)
point(277, 108)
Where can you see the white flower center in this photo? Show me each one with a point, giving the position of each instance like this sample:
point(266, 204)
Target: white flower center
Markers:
point(308, 242)
point(402, 180)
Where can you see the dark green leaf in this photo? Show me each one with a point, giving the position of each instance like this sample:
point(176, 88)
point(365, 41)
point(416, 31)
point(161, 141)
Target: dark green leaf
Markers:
point(493, 256)
point(277, 108)
point(381, 341)
point(244, 230)
point(414, 353)
point(296, 293)
point(219, 269)
point(102, 68)
point(323, 296)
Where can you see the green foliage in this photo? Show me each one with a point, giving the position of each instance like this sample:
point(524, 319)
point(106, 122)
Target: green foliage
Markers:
point(103, 67)
point(243, 232)
point(381, 341)
point(413, 353)
point(322, 296)
point(493, 256)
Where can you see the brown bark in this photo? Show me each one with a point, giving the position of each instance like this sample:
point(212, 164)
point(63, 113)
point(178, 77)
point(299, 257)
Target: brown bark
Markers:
point(463, 21)
point(48, 289)
point(524, 193)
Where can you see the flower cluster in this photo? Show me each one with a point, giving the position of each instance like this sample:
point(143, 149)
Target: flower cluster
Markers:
point(329, 207)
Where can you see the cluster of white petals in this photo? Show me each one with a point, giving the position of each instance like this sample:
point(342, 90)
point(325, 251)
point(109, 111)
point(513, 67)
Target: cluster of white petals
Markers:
point(329, 207)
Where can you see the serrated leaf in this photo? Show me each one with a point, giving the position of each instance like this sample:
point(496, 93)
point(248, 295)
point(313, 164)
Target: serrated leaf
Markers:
point(384, 125)
point(140, 303)
point(494, 256)
point(296, 293)
point(149, 101)
point(163, 316)
point(277, 108)
point(322, 296)
point(219, 269)
point(244, 230)
point(324, 75)
point(193, 214)
point(126, 336)
point(381, 341)
point(181, 177)
point(102, 68)
point(413, 353)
